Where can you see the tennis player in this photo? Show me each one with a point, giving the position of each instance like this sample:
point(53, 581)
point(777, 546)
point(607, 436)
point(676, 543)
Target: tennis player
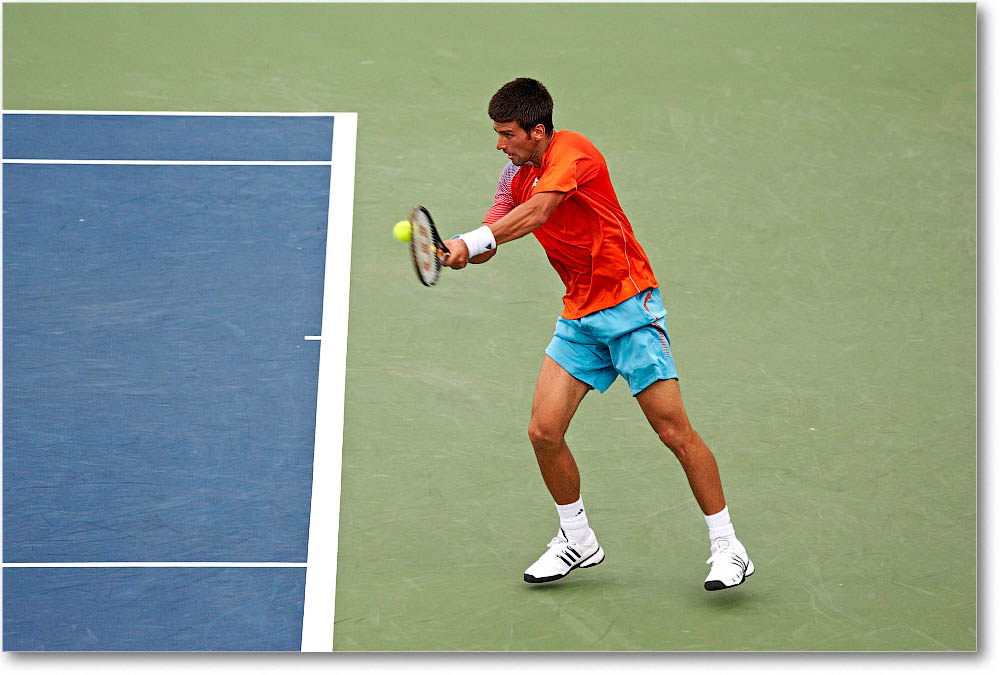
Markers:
point(556, 186)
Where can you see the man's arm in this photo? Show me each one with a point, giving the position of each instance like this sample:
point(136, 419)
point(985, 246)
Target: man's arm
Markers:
point(523, 219)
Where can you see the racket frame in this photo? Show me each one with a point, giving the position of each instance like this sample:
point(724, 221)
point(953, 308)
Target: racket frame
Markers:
point(428, 276)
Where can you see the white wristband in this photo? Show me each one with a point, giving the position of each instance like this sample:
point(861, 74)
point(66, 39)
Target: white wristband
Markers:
point(479, 240)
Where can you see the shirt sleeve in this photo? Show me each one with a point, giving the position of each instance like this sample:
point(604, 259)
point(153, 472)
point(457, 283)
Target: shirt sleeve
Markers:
point(569, 166)
point(503, 201)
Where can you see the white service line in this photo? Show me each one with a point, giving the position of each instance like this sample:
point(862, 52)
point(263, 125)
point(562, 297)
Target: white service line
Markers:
point(176, 113)
point(324, 515)
point(155, 564)
point(166, 162)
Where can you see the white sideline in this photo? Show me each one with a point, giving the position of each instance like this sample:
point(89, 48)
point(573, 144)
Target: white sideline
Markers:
point(324, 516)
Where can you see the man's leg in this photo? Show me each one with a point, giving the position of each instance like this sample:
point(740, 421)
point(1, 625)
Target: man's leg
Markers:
point(661, 403)
point(557, 396)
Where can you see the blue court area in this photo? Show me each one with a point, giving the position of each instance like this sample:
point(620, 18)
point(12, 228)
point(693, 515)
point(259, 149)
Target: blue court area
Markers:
point(159, 397)
point(141, 609)
point(168, 137)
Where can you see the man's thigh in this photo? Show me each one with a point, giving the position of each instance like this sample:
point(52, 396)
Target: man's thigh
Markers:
point(557, 396)
point(661, 403)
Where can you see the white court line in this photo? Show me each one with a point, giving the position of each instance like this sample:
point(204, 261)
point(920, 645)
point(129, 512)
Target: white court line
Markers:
point(156, 564)
point(2, 425)
point(324, 515)
point(167, 162)
point(164, 162)
point(142, 113)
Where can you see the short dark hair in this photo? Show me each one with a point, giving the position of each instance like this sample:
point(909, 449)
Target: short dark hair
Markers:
point(525, 101)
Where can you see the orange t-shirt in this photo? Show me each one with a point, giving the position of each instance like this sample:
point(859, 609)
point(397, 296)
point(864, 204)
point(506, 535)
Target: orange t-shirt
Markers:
point(587, 239)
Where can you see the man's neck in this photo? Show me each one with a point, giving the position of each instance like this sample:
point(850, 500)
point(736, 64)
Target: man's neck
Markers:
point(543, 145)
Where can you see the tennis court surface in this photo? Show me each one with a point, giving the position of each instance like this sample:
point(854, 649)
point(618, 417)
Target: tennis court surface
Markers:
point(163, 319)
point(803, 178)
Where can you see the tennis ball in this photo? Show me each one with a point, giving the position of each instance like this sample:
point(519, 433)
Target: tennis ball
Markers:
point(401, 230)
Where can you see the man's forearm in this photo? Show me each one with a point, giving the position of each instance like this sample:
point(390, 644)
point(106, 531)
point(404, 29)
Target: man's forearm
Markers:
point(527, 217)
point(483, 242)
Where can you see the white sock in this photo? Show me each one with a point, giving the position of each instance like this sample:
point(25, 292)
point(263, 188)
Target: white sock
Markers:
point(719, 525)
point(573, 520)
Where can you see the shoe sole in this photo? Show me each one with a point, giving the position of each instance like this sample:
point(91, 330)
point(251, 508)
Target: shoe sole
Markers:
point(716, 585)
point(589, 562)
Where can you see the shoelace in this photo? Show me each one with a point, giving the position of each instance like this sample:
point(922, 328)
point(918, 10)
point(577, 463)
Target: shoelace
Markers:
point(722, 551)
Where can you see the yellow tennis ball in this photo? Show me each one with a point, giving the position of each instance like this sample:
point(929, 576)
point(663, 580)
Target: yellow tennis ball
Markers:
point(401, 230)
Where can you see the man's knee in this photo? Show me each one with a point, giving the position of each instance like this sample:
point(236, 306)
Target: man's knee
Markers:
point(544, 436)
point(676, 435)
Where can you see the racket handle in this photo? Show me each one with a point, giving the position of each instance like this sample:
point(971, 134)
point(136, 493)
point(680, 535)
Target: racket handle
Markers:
point(444, 247)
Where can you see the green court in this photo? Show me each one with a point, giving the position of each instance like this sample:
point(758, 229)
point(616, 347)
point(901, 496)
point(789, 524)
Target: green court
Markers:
point(803, 180)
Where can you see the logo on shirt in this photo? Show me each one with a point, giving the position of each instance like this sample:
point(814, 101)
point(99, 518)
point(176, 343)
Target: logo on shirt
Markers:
point(536, 182)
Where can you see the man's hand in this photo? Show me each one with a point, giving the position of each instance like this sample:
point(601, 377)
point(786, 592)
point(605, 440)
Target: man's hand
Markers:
point(458, 256)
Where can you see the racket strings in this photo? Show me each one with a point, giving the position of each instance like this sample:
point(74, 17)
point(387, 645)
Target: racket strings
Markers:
point(425, 246)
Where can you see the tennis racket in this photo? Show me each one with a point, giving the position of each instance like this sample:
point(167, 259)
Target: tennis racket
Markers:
point(426, 246)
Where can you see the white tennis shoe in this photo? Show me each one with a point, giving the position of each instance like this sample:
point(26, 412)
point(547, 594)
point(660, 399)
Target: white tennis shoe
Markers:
point(563, 556)
point(730, 565)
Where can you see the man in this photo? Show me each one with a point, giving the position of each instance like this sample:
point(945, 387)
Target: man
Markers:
point(557, 187)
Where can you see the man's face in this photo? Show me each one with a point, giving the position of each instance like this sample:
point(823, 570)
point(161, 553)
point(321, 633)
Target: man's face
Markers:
point(519, 145)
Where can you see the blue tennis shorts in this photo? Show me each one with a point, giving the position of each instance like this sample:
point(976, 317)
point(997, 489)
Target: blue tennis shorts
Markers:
point(629, 339)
